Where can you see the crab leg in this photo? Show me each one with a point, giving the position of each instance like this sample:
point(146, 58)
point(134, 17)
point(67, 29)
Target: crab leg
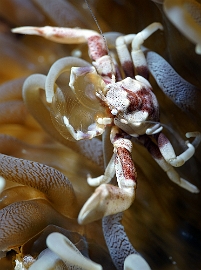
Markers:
point(124, 56)
point(137, 54)
point(168, 153)
point(171, 173)
point(108, 199)
point(106, 177)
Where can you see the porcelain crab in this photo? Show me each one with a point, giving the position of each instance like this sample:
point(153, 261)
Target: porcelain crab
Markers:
point(126, 104)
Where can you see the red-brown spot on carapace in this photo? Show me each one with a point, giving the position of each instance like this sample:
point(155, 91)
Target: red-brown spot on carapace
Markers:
point(143, 100)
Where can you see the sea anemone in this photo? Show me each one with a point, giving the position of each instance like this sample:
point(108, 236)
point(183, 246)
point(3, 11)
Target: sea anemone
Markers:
point(45, 174)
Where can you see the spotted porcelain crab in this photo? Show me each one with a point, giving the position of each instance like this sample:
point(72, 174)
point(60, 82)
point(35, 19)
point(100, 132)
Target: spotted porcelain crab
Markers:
point(104, 98)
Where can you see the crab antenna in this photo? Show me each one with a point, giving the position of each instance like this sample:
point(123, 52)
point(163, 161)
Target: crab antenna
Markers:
point(97, 24)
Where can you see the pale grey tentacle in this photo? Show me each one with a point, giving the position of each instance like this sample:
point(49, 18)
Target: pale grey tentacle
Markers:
point(11, 90)
point(116, 239)
point(185, 95)
point(48, 180)
point(52, 8)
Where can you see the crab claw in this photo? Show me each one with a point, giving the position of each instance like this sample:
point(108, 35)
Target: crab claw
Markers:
point(58, 34)
point(106, 200)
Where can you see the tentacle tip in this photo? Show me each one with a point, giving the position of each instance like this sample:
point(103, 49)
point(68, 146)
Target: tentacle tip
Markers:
point(16, 30)
point(68, 252)
point(13, 30)
point(194, 189)
point(89, 181)
point(188, 186)
point(198, 48)
point(81, 220)
point(160, 26)
point(135, 261)
point(2, 183)
point(197, 190)
point(48, 98)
